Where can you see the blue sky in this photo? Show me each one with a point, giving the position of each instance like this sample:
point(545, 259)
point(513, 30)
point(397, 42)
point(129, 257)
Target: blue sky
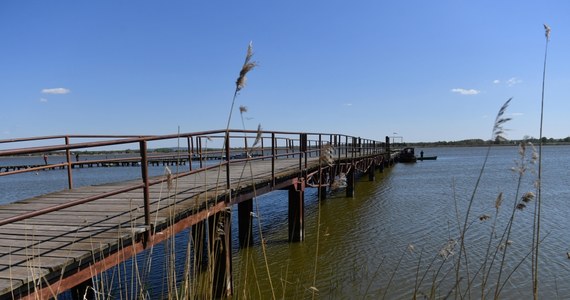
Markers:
point(427, 70)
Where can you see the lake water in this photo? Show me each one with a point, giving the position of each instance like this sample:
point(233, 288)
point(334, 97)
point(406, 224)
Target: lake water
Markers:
point(387, 240)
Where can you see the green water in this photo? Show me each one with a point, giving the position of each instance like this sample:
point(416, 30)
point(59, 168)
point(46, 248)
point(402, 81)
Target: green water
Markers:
point(360, 247)
point(382, 242)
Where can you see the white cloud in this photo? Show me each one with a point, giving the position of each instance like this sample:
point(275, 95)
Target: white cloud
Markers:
point(348, 104)
point(496, 81)
point(513, 81)
point(43, 100)
point(465, 91)
point(58, 91)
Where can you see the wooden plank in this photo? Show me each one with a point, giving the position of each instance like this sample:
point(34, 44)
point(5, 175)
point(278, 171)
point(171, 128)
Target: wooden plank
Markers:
point(77, 234)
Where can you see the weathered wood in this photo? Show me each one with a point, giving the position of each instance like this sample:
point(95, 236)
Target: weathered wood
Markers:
point(296, 212)
point(74, 238)
point(245, 210)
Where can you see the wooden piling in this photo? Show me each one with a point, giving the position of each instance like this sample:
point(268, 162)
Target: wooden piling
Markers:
point(200, 249)
point(323, 192)
point(245, 232)
point(296, 212)
point(350, 180)
point(220, 258)
point(372, 172)
point(83, 291)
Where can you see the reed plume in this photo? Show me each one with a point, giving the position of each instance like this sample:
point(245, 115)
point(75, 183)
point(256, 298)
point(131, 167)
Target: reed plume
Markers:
point(498, 130)
point(248, 65)
point(257, 136)
point(327, 153)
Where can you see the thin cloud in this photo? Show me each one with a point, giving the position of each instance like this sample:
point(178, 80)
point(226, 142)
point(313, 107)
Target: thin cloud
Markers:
point(56, 91)
point(513, 81)
point(515, 114)
point(348, 104)
point(43, 100)
point(466, 91)
point(496, 81)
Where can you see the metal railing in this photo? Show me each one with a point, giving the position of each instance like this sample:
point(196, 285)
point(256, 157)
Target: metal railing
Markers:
point(223, 146)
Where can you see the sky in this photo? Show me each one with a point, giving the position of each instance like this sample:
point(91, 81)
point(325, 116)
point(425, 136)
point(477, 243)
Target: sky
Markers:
point(422, 70)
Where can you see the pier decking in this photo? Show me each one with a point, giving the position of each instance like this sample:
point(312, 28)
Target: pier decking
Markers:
point(55, 242)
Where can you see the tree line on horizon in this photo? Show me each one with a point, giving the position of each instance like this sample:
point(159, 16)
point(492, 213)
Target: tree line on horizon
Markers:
point(481, 142)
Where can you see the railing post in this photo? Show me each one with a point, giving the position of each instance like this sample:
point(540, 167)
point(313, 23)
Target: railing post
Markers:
point(262, 147)
point(199, 142)
point(273, 154)
point(69, 164)
point(146, 190)
point(344, 144)
point(227, 145)
point(303, 150)
point(190, 142)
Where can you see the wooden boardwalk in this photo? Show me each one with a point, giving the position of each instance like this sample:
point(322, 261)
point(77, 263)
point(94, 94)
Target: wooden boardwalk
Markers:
point(55, 251)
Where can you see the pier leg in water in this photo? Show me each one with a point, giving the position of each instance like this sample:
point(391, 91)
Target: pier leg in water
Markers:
point(323, 192)
point(296, 212)
point(83, 290)
point(245, 231)
point(200, 250)
point(350, 183)
point(220, 259)
point(372, 172)
point(323, 187)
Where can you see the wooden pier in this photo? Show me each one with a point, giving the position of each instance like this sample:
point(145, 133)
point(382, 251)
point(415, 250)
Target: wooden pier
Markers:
point(57, 242)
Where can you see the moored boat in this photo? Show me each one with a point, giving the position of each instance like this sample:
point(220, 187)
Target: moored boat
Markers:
point(407, 155)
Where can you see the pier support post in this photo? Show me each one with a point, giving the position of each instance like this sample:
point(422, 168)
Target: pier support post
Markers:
point(220, 258)
point(245, 231)
point(350, 183)
point(372, 172)
point(200, 249)
point(323, 188)
point(83, 290)
point(323, 192)
point(296, 212)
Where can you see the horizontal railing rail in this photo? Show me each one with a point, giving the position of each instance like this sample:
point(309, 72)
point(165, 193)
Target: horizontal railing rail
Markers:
point(224, 146)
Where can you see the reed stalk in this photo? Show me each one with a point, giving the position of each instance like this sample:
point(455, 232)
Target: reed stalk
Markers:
point(538, 203)
point(496, 135)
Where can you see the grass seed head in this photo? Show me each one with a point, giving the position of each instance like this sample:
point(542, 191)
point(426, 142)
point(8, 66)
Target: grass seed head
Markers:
point(547, 32)
point(498, 130)
point(258, 135)
point(169, 180)
point(527, 197)
point(499, 200)
point(327, 153)
point(248, 65)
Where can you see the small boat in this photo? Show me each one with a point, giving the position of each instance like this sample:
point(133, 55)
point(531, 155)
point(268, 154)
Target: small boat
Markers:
point(407, 155)
point(422, 157)
point(427, 157)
